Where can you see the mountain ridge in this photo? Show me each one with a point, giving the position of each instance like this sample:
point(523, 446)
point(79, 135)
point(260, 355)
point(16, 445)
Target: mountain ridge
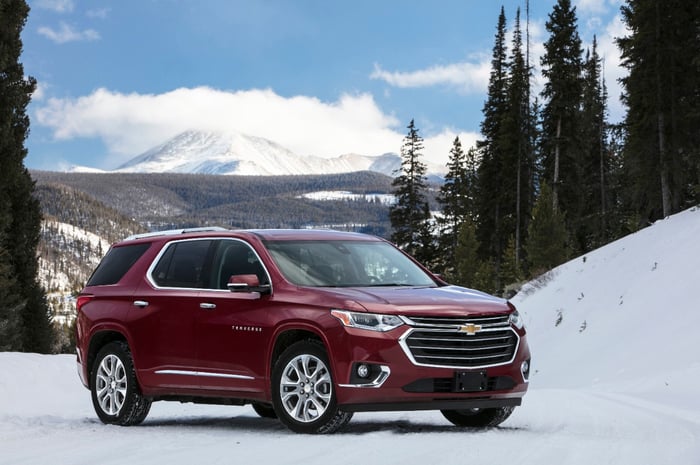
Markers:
point(234, 153)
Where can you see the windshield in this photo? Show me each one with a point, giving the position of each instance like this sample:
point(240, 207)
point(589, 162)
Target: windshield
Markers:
point(346, 264)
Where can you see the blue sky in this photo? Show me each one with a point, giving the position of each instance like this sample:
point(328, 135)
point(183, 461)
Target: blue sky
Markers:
point(321, 78)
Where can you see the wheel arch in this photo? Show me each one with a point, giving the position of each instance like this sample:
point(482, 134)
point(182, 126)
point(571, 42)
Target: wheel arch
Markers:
point(98, 340)
point(289, 336)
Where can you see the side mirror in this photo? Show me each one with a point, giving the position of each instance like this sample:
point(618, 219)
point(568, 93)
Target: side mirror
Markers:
point(247, 283)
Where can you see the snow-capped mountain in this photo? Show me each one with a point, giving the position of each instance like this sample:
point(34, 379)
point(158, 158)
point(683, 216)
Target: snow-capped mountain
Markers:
point(240, 154)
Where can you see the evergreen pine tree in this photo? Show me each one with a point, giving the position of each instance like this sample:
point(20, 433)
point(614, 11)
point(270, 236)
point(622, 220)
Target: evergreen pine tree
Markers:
point(562, 148)
point(592, 230)
point(494, 194)
point(662, 147)
point(547, 237)
point(517, 142)
point(410, 215)
point(25, 312)
point(466, 256)
point(456, 198)
point(511, 271)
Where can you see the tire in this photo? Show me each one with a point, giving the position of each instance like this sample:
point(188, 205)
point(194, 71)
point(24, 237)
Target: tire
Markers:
point(303, 393)
point(116, 396)
point(478, 418)
point(264, 410)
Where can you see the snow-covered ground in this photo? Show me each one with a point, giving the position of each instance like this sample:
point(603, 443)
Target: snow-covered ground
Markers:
point(616, 376)
point(384, 199)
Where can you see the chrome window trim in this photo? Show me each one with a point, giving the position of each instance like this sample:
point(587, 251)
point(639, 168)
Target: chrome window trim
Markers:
point(155, 261)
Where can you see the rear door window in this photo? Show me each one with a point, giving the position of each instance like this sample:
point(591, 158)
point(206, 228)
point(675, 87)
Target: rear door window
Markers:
point(183, 265)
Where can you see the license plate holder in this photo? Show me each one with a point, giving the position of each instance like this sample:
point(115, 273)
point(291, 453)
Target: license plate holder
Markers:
point(470, 381)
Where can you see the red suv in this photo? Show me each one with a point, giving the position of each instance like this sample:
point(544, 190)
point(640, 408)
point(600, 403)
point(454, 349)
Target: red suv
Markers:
point(307, 326)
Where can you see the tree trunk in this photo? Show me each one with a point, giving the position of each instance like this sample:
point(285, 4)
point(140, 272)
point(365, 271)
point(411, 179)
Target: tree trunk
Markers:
point(663, 163)
point(555, 182)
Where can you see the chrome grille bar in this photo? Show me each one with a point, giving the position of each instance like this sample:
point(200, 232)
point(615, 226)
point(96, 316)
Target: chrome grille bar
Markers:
point(442, 342)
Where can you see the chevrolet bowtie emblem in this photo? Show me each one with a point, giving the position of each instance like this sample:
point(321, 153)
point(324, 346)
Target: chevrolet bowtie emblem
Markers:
point(470, 329)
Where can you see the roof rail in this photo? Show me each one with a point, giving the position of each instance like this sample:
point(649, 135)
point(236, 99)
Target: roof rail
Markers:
point(174, 232)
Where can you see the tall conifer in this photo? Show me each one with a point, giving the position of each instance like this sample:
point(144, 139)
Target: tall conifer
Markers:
point(517, 136)
point(661, 91)
point(25, 323)
point(547, 237)
point(410, 214)
point(562, 148)
point(492, 193)
point(456, 198)
point(592, 230)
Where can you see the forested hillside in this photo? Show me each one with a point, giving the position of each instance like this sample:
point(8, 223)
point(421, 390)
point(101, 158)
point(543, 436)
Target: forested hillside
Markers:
point(159, 201)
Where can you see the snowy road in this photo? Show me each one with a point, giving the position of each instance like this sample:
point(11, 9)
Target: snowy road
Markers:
point(46, 418)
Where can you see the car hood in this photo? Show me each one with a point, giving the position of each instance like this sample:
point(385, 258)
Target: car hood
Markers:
point(405, 300)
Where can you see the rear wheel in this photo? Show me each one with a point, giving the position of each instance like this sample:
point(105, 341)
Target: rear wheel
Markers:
point(478, 417)
point(115, 393)
point(302, 390)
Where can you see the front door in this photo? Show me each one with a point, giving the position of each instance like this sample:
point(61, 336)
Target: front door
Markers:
point(233, 330)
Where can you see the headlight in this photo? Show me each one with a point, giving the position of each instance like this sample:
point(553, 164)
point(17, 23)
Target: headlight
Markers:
point(371, 321)
point(516, 320)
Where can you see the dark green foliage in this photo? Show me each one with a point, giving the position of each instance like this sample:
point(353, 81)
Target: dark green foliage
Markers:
point(26, 324)
point(562, 147)
point(547, 238)
point(506, 173)
point(456, 197)
point(495, 192)
point(511, 271)
point(10, 305)
point(466, 256)
point(662, 147)
point(518, 142)
point(410, 215)
point(598, 206)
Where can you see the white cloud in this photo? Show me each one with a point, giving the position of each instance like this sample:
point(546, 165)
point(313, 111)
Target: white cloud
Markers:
point(591, 6)
point(40, 91)
point(130, 124)
point(59, 6)
point(67, 33)
point(610, 53)
point(467, 77)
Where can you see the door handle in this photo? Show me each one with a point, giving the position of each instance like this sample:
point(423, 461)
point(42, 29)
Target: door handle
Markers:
point(141, 303)
point(207, 306)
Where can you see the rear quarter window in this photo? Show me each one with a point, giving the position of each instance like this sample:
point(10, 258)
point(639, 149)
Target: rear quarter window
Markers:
point(116, 263)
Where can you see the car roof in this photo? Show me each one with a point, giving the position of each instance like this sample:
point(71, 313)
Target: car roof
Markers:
point(262, 234)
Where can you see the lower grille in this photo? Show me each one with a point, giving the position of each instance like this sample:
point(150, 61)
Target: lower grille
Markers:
point(445, 343)
point(444, 385)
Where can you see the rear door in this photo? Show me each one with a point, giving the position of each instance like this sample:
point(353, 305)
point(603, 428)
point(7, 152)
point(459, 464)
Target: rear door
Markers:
point(164, 313)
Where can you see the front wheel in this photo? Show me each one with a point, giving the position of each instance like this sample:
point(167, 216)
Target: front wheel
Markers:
point(302, 390)
point(115, 393)
point(478, 417)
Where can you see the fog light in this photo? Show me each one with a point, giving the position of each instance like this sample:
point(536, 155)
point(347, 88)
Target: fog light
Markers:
point(525, 369)
point(362, 371)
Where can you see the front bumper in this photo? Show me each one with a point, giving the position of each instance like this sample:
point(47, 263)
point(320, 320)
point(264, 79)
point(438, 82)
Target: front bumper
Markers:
point(407, 385)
